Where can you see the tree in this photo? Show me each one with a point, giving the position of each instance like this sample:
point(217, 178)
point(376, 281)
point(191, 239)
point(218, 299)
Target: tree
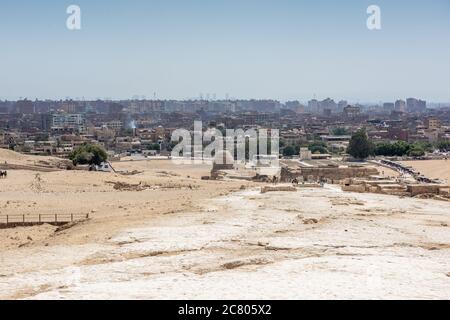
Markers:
point(318, 147)
point(289, 151)
point(340, 131)
point(443, 146)
point(399, 148)
point(402, 148)
point(426, 146)
point(88, 154)
point(416, 151)
point(360, 147)
point(154, 146)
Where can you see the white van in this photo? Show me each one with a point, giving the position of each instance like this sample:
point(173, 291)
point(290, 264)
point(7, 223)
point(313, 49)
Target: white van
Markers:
point(103, 167)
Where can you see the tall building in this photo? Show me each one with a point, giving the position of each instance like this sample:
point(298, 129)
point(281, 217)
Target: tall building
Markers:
point(295, 106)
point(4, 109)
point(68, 122)
point(292, 105)
point(46, 122)
point(352, 111)
point(313, 106)
point(318, 107)
point(115, 108)
point(327, 104)
point(327, 112)
point(400, 105)
point(388, 107)
point(341, 105)
point(416, 105)
point(69, 106)
point(24, 107)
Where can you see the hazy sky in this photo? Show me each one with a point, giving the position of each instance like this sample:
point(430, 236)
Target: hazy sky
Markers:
point(282, 49)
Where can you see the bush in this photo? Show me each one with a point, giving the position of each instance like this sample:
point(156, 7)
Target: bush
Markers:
point(318, 147)
point(88, 154)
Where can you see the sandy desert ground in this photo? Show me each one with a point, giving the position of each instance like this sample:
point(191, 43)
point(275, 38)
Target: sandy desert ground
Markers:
point(183, 238)
point(434, 169)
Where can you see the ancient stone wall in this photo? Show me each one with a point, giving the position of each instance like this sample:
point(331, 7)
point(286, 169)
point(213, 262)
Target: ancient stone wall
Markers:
point(423, 188)
point(331, 174)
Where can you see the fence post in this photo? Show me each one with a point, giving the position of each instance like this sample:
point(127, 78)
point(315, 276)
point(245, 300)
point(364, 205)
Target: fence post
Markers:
point(23, 219)
point(56, 217)
point(7, 219)
point(71, 217)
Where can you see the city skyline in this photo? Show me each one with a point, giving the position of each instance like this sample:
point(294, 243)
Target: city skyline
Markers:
point(301, 102)
point(284, 50)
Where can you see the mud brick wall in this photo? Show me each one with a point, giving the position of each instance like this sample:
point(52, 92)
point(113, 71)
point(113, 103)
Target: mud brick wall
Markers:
point(335, 174)
point(423, 188)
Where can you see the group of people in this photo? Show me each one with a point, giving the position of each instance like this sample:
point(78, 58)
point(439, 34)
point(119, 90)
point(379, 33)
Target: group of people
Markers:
point(400, 168)
point(404, 170)
point(3, 174)
point(296, 182)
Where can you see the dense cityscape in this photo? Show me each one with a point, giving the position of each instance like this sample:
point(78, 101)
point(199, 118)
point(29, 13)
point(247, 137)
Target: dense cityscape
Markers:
point(145, 126)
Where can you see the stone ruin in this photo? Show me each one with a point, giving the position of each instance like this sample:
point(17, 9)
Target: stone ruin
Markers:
point(397, 187)
point(330, 174)
point(223, 160)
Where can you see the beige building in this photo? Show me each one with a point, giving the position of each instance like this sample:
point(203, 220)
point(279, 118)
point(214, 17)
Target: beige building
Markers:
point(433, 123)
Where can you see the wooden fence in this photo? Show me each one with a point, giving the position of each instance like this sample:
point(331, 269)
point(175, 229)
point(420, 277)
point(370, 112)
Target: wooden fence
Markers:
point(37, 219)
